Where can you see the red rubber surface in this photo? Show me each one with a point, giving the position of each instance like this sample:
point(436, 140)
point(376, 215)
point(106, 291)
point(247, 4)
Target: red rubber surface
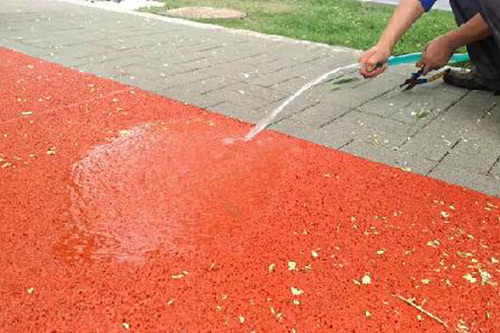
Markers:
point(108, 194)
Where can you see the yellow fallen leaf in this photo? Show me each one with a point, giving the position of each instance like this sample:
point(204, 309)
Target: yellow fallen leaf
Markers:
point(366, 279)
point(296, 291)
point(470, 278)
point(51, 151)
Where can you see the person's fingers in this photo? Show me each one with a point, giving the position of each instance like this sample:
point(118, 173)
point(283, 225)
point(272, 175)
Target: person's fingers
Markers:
point(364, 58)
point(364, 72)
point(362, 62)
point(372, 64)
point(365, 62)
point(379, 70)
point(425, 65)
point(373, 73)
point(365, 69)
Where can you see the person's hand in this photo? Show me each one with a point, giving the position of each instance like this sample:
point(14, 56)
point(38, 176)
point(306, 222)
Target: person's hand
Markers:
point(436, 54)
point(373, 61)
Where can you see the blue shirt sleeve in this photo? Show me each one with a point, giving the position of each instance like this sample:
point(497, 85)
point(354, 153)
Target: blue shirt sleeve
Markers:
point(427, 4)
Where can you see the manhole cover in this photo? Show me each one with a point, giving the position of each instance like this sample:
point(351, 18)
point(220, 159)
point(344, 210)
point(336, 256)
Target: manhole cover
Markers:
point(205, 13)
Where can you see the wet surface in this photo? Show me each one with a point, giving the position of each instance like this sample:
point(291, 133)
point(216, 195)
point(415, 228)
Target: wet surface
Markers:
point(122, 210)
point(128, 192)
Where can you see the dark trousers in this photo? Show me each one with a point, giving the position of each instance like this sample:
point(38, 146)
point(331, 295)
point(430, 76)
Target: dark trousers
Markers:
point(485, 55)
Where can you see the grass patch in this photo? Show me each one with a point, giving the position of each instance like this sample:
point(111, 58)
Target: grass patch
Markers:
point(345, 81)
point(337, 84)
point(347, 23)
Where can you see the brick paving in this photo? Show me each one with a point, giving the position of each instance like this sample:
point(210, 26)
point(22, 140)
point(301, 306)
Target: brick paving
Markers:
point(436, 130)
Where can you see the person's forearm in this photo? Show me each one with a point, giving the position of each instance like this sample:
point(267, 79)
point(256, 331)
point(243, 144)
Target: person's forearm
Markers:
point(406, 13)
point(474, 30)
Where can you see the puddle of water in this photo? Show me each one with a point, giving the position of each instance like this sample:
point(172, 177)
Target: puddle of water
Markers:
point(154, 189)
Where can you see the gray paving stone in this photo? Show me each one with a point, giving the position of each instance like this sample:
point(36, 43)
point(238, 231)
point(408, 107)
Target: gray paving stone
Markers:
point(469, 111)
point(417, 105)
point(235, 97)
point(495, 170)
point(141, 71)
point(358, 92)
point(166, 67)
point(295, 107)
point(111, 68)
point(26, 49)
point(236, 71)
point(208, 85)
point(460, 122)
point(258, 60)
point(275, 79)
point(181, 79)
point(119, 62)
point(321, 114)
point(371, 128)
point(291, 85)
point(475, 154)
point(381, 154)
point(268, 94)
point(330, 60)
point(434, 141)
point(133, 81)
point(191, 98)
point(293, 128)
point(235, 54)
point(323, 137)
point(239, 111)
point(468, 178)
point(304, 75)
point(487, 124)
point(298, 63)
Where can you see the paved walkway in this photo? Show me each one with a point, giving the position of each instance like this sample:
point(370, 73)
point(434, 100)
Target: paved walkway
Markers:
point(123, 211)
point(439, 131)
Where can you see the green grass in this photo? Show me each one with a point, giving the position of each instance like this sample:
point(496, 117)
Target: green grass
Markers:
point(337, 22)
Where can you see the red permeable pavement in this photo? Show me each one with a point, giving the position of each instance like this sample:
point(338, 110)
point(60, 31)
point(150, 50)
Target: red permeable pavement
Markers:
point(122, 210)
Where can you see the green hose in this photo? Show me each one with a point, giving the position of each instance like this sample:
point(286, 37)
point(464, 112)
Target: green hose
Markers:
point(415, 57)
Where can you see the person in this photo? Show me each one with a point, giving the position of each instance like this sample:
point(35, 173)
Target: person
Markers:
point(478, 29)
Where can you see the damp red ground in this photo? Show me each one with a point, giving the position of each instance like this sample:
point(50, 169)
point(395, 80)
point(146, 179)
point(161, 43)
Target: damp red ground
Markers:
point(122, 210)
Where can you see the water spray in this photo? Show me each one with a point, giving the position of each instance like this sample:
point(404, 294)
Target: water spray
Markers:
point(392, 61)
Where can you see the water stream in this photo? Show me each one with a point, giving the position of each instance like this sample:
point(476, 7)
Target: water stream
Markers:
point(266, 121)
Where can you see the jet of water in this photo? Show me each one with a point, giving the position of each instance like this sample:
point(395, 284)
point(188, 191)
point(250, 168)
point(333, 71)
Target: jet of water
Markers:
point(266, 121)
